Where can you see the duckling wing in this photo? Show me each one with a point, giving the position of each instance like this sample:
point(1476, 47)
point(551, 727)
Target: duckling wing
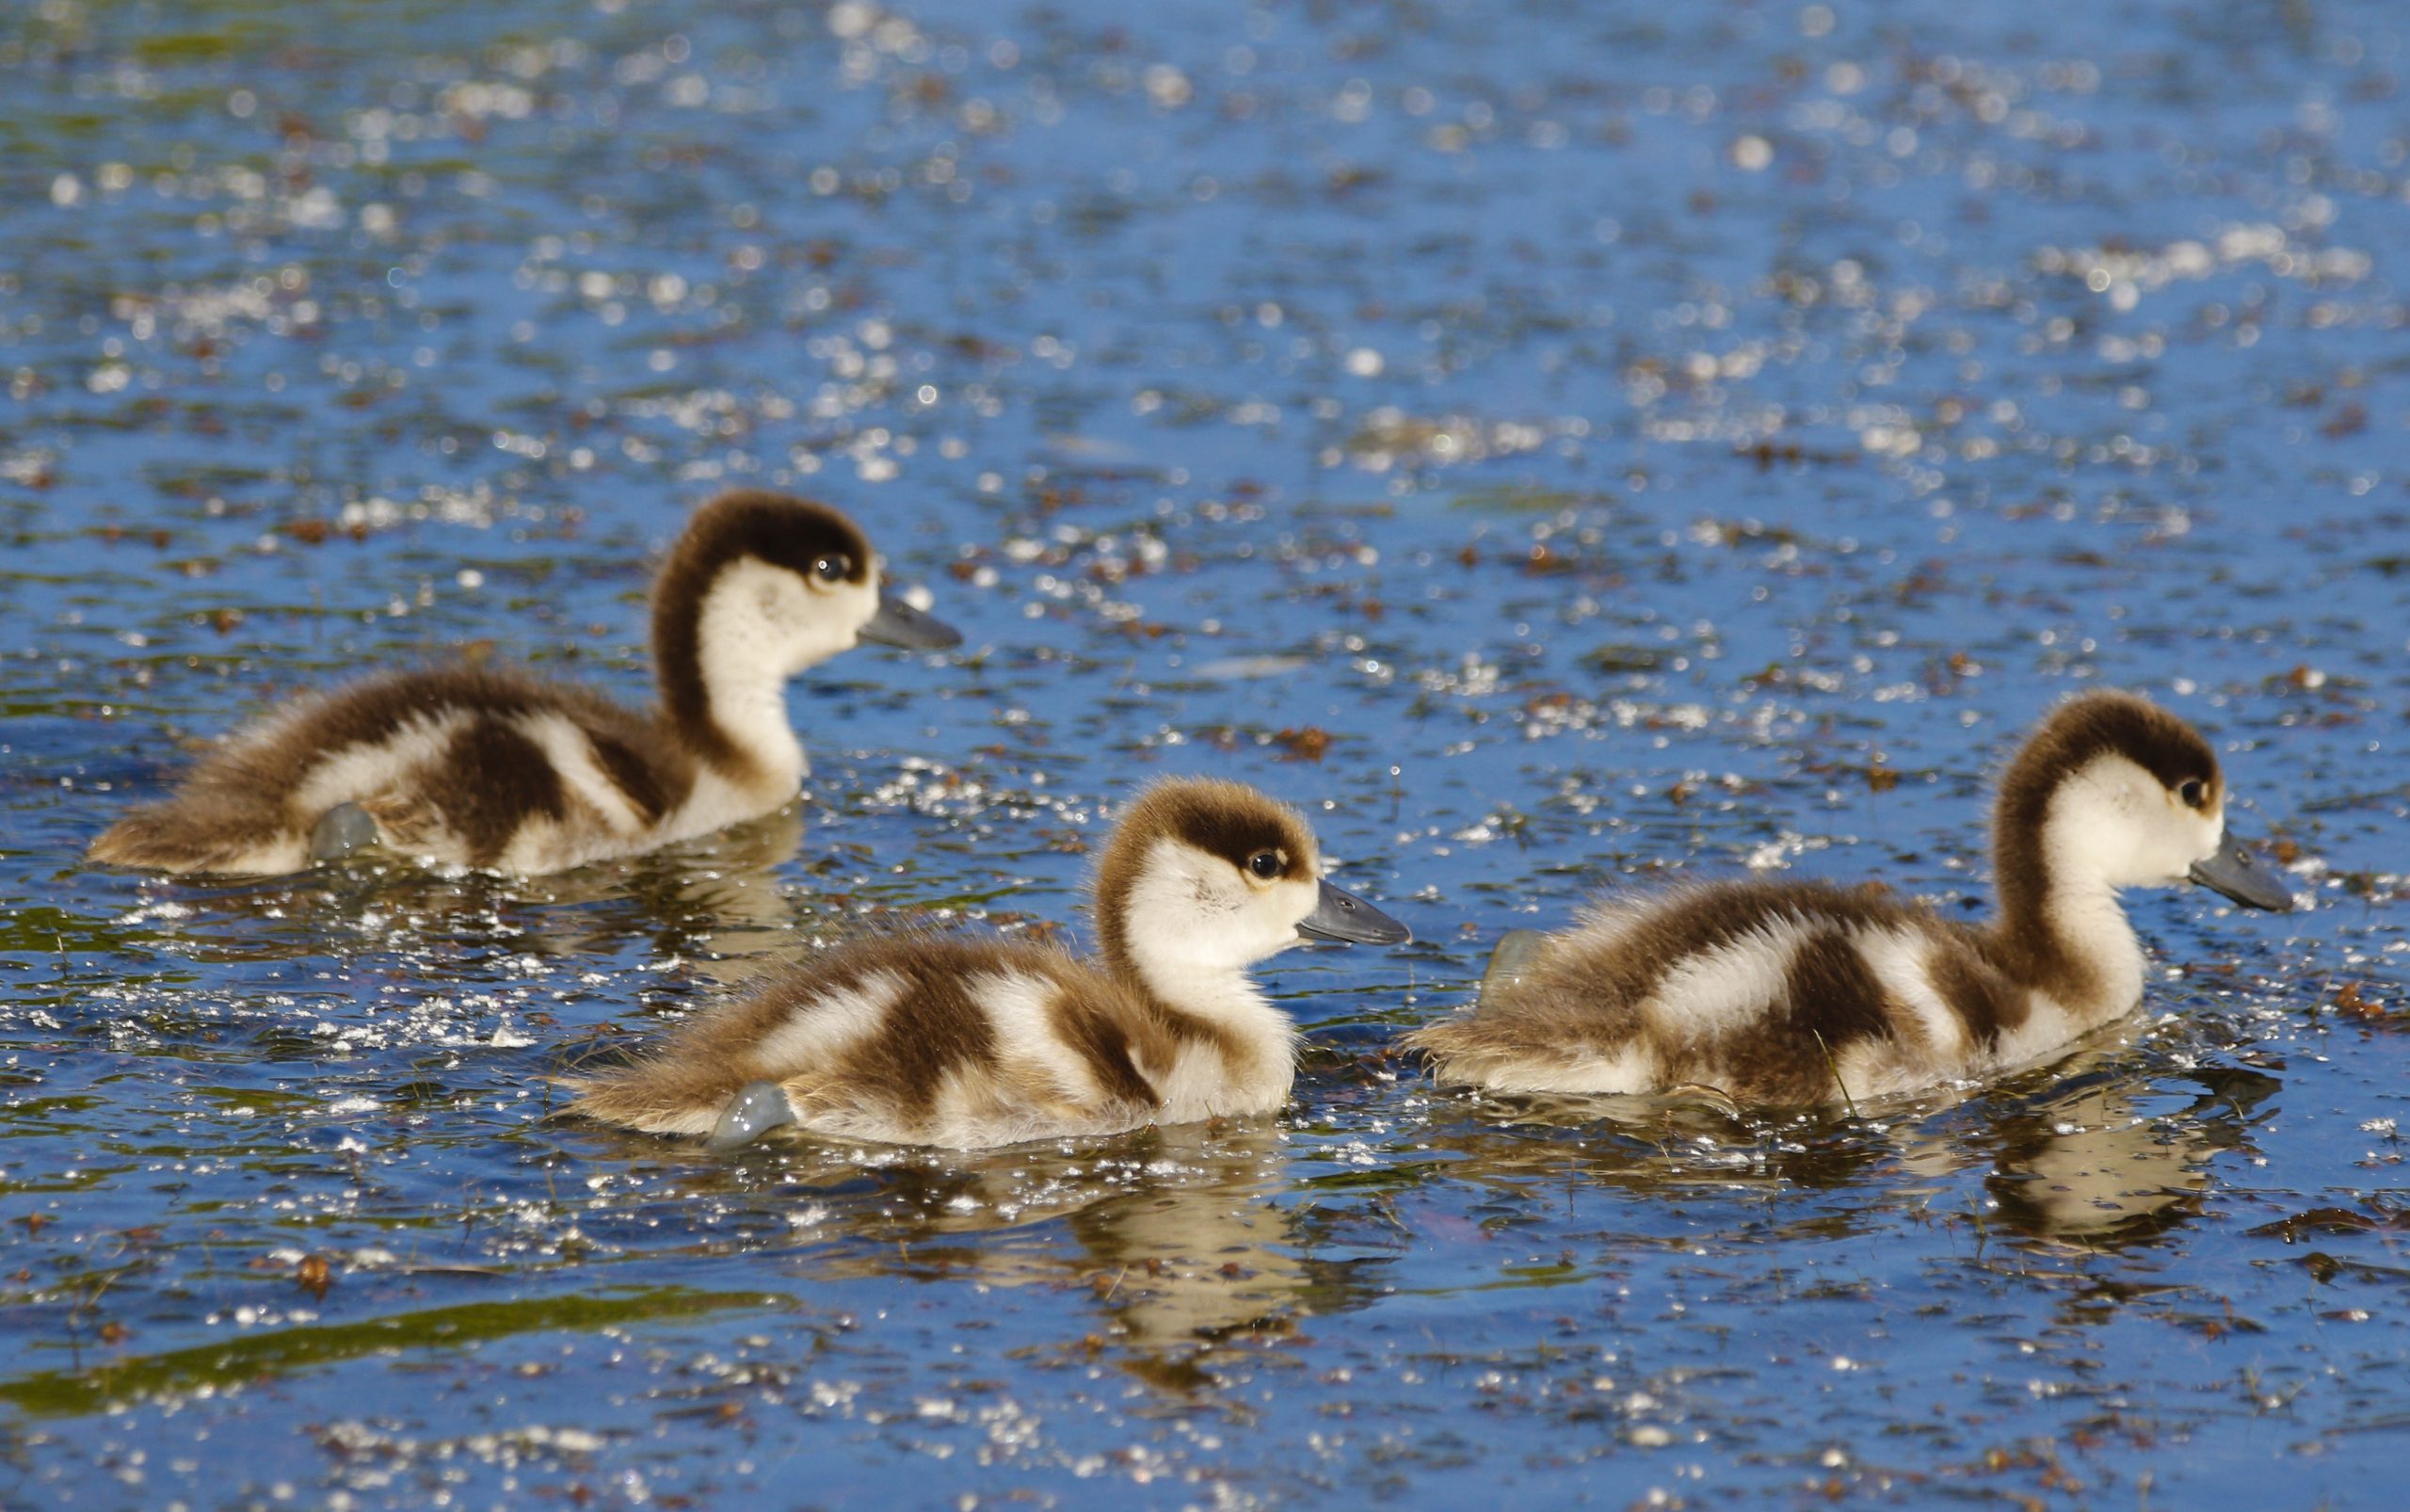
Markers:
point(250, 806)
point(958, 1043)
point(1782, 994)
point(464, 766)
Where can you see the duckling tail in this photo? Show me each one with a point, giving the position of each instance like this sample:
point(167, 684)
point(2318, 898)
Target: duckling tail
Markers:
point(172, 837)
point(651, 1097)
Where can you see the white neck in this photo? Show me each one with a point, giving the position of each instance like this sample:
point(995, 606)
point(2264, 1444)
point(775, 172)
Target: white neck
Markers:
point(1252, 1076)
point(752, 712)
point(2083, 912)
point(1223, 993)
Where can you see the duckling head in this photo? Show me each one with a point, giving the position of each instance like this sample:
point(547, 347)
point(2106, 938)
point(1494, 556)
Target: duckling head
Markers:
point(2115, 792)
point(777, 584)
point(1203, 878)
point(761, 586)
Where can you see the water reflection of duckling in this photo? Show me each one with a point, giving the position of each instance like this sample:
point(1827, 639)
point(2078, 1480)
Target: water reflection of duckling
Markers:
point(931, 1040)
point(498, 770)
point(723, 888)
point(1800, 993)
point(713, 901)
point(1190, 1260)
point(1171, 1231)
point(2088, 1164)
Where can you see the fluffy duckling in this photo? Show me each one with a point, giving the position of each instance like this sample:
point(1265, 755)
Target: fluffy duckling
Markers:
point(1798, 994)
point(501, 771)
point(968, 1043)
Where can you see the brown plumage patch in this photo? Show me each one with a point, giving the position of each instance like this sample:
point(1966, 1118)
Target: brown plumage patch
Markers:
point(933, 1029)
point(1831, 1002)
point(1578, 999)
point(1228, 820)
point(1987, 1000)
point(1111, 1044)
point(1690, 923)
point(509, 781)
point(742, 524)
point(189, 835)
point(642, 783)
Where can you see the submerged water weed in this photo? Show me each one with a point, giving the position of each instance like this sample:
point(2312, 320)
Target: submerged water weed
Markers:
point(1558, 447)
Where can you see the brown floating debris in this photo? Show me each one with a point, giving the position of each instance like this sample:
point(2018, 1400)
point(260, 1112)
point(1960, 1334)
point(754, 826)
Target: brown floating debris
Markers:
point(2349, 999)
point(1307, 745)
point(2331, 1220)
point(314, 1276)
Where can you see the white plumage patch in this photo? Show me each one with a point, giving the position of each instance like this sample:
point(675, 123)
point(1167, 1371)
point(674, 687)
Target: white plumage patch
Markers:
point(1630, 1069)
point(2048, 1028)
point(1901, 961)
point(354, 772)
point(565, 745)
point(961, 1115)
point(1201, 1084)
point(828, 1025)
point(1730, 987)
point(1018, 1007)
point(1602, 927)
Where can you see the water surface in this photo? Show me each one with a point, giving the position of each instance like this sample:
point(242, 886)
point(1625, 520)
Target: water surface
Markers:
point(1558, 445)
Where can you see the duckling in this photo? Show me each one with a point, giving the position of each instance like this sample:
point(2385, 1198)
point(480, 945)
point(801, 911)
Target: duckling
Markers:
point(967, 1043)
point(1800, 993)
point(500, 771)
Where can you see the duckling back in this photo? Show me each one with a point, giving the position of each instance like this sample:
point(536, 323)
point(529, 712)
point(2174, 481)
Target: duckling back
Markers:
point(928, 1040)
point(467, 766)
point(1773, 993)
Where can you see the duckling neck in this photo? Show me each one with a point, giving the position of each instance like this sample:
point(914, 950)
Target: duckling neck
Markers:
point(1217, 1001)
point(2063, 924)
point(724, 694)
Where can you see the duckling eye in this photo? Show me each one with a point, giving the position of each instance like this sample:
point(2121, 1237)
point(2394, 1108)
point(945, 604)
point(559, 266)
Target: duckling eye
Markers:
point(1265, 864)
point(831, 568)
point(2194, 793)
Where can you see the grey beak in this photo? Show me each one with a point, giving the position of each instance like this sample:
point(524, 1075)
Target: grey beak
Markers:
point(2236, 873)
point(1517, 951)
point(898, 624)
point(1347, 918)
point(756, 1109)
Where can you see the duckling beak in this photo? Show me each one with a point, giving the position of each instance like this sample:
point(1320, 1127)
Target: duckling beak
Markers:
point(756, 1109)
point(2235, 872)
point(1350, 920)
point(897, 623)
point(1517, 952)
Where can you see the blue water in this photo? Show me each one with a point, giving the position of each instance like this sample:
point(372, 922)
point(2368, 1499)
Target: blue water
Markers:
point(1645, 441)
